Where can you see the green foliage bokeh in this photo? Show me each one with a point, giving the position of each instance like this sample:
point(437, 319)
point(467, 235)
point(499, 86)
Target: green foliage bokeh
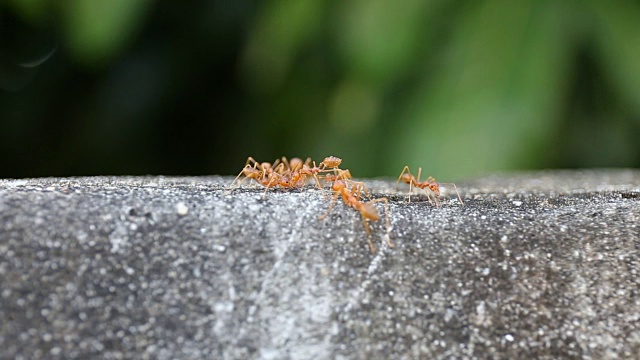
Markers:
point(459, 88)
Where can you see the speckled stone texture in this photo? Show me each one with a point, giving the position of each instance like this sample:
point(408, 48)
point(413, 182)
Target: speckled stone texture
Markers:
point(534, 265)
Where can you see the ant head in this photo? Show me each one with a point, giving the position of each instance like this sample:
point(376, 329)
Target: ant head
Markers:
point(435, 187)
point(285, 181)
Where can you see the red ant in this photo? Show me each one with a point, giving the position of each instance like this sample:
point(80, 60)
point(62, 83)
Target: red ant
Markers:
point(265, 174)
point(430, 184)
point(256, 172)
point(287, 174)
point(367, 210)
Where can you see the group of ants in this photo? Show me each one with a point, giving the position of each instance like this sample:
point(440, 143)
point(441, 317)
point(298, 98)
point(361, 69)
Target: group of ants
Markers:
point(295, 174)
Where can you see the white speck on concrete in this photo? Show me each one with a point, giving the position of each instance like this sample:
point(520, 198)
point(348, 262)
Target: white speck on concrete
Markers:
point(221, 248)
point(118, 238)
point(480, 311)
point(182, 209)
point(449, 314)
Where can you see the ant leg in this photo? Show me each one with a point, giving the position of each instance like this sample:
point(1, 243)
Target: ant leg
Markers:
point(405, 169)
point(411, 179)
point(343, 174)
point(280, 168)
point(358, 188)
point(414, 182)
point(368, 231)
point(256, 165)
point(315, 177)
point(271, 183)
point(230, 188)
point(333, 203)
point(365, 191)
point(286, 163)
point(456, 188)
point(459, 198)
point(430, 196)
point(318, 184)
point(307, 163)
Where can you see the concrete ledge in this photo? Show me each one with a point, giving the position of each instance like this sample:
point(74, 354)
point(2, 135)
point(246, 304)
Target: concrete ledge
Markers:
point(535, 265)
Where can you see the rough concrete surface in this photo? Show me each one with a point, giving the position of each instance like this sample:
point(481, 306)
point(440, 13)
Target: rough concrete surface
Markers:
point(534, 265)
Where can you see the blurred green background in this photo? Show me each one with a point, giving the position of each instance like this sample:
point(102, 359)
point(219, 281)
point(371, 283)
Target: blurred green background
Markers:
point(460, 88)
